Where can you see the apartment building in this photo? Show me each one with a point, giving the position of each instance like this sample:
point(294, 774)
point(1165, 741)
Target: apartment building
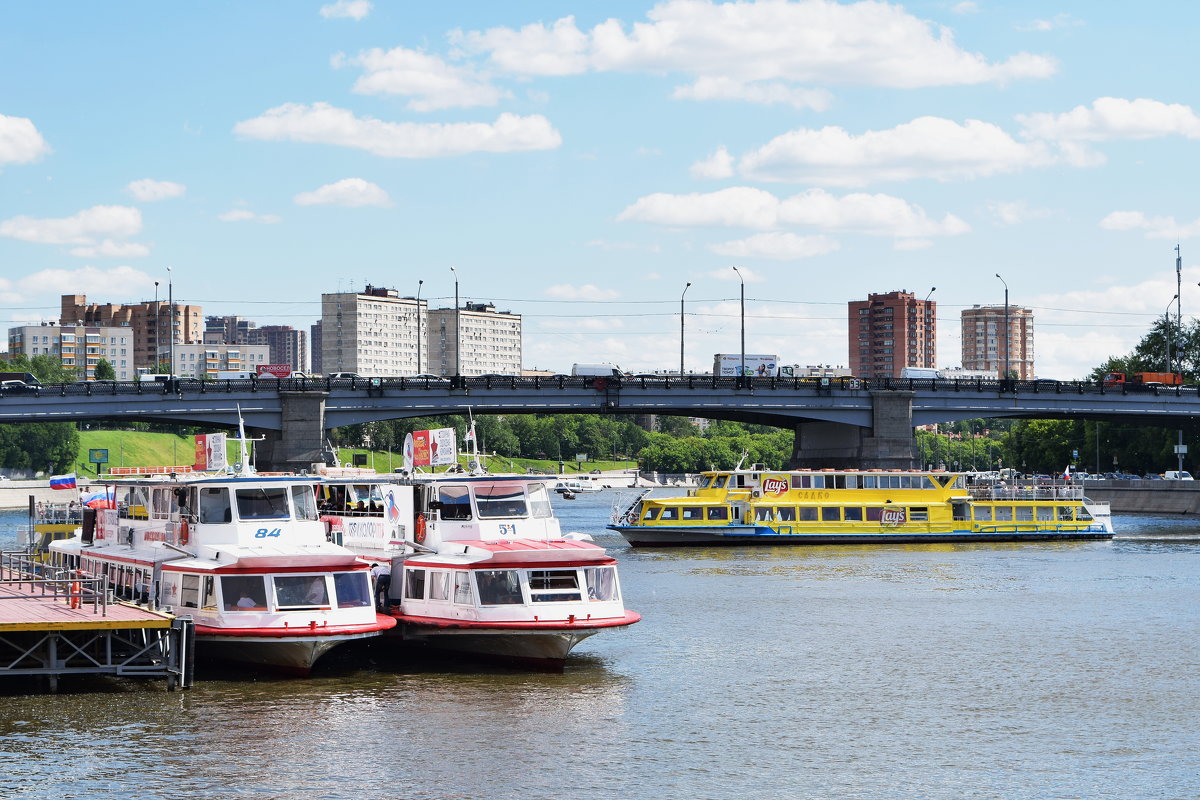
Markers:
point(79, 347)
point(372, 332)
point(891, 331)
point(154, 325)
point(984, 345)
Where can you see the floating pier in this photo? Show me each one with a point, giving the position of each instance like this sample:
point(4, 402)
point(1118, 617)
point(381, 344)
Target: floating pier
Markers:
point(55, 622)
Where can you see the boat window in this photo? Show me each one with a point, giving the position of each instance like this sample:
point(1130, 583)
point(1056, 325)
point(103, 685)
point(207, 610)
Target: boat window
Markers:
point(305, 502)
point(807, 513)
point(874, 513)
point(960, 511)
point(869, 481)
point(243, 593)
point(1064, 513)
point(262, 503)
point(500, 500)
point(763, 513)
point(351, 589)
point(214, 505)
point(456, 502)
point(921, 514)
point(554, 586)
point(786, 513)
point(601, 583)
point(1046, 514)
point(693, 512)
point(831, 514)
point(300, 591)
point(852, 514)
point(801, 481)
point(462, 587)
point(718, 513)
point(651, 512)
point(719, 483)
point(498, 587)
point(539, 501)
point(669, 512)
point(162, 503)
point(189, 592)
point(740, 481)
point(1081, 513)
point(439, 585)
point(210, 593)
point(705, 481)
point(1004, 513)
point(414, 584)
point(983, 513)
point(1024, 513)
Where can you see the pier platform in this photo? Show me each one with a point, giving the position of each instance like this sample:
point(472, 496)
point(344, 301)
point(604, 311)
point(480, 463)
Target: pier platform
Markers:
point(54, 624)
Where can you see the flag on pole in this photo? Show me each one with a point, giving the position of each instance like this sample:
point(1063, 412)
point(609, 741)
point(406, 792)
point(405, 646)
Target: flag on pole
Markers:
point(1067, 473)
point(63, 481)
point(470, 437)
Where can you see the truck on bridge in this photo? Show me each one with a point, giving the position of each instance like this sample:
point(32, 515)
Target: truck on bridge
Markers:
point(1143, 379)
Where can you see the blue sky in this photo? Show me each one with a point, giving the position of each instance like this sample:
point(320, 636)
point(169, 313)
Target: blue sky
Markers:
point(581, 163)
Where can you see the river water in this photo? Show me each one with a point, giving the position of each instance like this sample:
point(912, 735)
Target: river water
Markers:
point(1034, 670)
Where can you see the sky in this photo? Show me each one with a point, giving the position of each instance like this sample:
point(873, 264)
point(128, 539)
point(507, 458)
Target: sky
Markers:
point(582, 163)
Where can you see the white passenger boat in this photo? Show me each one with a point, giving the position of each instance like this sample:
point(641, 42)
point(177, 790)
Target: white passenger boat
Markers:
point(478, 563)
point(570, 487)
point(246, 556)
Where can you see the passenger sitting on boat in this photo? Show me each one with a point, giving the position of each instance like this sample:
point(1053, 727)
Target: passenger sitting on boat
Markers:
point(361, 507)
point(316, 592)
point(246, 601)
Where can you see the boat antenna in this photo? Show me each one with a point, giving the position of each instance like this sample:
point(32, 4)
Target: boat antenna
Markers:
point(745, 453)
point(244, 468)
point(473, 445)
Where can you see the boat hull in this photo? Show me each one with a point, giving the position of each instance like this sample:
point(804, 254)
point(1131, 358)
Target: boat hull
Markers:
point(664, 536)
point(285, 653)
point(540, 645)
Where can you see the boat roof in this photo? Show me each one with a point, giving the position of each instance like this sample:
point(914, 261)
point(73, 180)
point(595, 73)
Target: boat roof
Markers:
point(509, 551)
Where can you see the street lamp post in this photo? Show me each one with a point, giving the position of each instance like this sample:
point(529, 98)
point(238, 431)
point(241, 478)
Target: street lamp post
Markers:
point(742, 373)
point(1167, 330)
point(419, 285)
point(157, 329)
point(1007, 339)
point(457, 330)
point(685, 288)
point(171, 319)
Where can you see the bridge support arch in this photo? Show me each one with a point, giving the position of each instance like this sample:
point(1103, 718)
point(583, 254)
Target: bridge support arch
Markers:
point(888, 444)
point(302, 438)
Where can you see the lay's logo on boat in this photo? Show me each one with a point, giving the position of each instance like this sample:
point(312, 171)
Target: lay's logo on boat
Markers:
point(774, 486)
point(893, 516)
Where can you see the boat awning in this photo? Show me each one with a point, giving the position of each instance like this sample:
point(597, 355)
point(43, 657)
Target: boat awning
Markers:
point(520, 550)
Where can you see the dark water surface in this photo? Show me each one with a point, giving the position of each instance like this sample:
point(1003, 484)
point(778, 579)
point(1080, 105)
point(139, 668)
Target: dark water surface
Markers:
point(1056, 670)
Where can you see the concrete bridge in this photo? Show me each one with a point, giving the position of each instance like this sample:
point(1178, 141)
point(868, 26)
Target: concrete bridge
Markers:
point(838, 422)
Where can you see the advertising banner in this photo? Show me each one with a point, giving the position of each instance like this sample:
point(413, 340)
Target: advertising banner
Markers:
point(435, 448)
point(210, 452)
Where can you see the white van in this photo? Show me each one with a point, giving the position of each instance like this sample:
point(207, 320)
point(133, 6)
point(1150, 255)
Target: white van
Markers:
point(1174, 475)
point(596, 370)
point(920, 373)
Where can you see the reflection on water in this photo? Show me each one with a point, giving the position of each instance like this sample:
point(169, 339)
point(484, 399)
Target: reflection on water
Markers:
point(1035, 670)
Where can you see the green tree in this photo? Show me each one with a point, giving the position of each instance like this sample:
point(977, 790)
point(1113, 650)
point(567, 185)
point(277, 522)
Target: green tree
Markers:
point(104, 371)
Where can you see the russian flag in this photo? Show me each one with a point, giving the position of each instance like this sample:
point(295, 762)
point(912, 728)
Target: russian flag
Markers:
point(63, 481)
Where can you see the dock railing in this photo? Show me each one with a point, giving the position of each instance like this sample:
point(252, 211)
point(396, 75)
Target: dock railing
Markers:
point(1026, 491)
point(29, 579)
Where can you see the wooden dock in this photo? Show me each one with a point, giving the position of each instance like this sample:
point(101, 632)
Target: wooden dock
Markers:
point(54, 624)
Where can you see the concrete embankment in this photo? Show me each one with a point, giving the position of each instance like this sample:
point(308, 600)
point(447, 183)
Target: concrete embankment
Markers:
point(1147, 497)
point(15, 494)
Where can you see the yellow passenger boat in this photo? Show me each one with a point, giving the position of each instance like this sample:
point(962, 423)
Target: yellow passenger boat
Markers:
point(755, 506)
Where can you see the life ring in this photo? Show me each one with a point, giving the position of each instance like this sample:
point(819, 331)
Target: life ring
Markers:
point(183, 532)
point(420, 532)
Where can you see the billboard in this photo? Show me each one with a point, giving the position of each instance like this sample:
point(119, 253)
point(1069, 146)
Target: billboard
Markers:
point(435, 448)
point(210, 452)
point(758, 366)
point(274, 370)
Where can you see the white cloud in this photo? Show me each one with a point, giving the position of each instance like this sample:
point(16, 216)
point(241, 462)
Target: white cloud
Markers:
point(777, 246)
point(582, 324)
point(965, 7)
point(322, 123)
point(85, 280)
point(82, 228)
point(245, 215)
point(356, 10)
point(730, 274)
point(148, 190)
point(428, 79)
point(926, 147)
point(1054, 23)
point(110, 249)
point(1155, 227)
point(20, 141)
point(1014, 213)
point(348, 192)
point(589, 291)
point(812, 41)
point(912, 244)
point(1115, 118)
point(764, 93)
point(746, 207)
point(718, 165)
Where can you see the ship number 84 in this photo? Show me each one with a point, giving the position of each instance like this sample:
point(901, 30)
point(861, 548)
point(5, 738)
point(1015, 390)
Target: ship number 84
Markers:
point(263, 533)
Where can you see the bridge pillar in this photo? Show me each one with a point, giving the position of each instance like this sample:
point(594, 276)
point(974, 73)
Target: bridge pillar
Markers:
point(302, 439)
point(888, 444)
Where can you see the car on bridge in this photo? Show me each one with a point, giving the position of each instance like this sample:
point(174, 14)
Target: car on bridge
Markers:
point(17, 387)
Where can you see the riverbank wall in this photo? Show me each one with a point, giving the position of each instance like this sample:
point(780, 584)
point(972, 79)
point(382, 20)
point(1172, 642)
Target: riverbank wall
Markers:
point(1147, 497)
point(15, 494)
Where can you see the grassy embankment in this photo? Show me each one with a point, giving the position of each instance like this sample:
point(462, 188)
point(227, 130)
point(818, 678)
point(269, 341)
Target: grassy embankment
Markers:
point(141, 449)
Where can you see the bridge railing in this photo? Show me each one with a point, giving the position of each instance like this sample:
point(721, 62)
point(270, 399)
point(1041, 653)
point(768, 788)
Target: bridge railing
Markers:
point(180, 386)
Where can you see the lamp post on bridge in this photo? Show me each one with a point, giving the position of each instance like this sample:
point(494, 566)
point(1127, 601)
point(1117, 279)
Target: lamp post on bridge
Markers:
point(1007, 340)
point(685, 288)
point(1167, 329)
point(420, 284)
point(742, 372)
point(171, 320)
point(457, 330)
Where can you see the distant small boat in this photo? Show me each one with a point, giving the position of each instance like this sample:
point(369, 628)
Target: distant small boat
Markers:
point(567, 488)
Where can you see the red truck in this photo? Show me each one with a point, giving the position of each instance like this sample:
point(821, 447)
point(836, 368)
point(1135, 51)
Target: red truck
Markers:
point(1144, 379)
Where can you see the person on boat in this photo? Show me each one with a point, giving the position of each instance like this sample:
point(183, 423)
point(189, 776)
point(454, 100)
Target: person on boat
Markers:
point(316, 593)
point(382, 573)
point(246, 601)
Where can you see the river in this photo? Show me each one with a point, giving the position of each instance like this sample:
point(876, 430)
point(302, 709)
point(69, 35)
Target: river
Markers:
point(1034, 670)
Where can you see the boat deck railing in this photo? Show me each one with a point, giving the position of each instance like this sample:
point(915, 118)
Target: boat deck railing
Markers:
point(25, 578)
point(1033, 491)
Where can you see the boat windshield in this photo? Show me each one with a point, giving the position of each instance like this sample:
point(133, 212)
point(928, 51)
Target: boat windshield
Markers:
point(300, 591)
point(243, 592)
point(500, 500)
point(539, 501)
point(554, 586)
point(305, 502)
point(498, 587)
point(456, 502)
point(351, 589)
point(601, 583)
point(262, 503)
point(214, 505)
